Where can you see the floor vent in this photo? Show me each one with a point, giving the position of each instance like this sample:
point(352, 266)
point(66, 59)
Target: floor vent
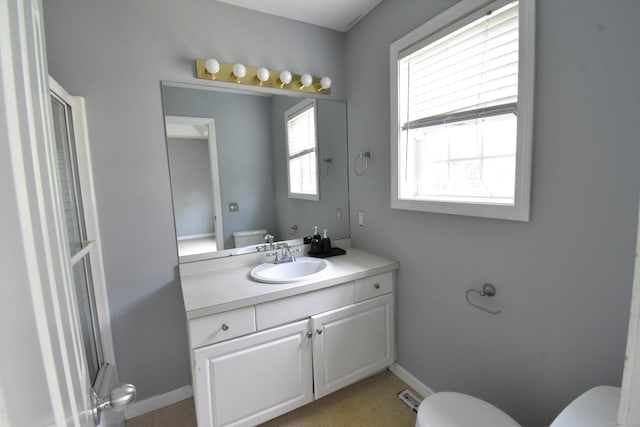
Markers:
point(410, 399)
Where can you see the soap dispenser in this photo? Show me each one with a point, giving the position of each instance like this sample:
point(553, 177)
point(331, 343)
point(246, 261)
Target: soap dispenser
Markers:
point(326, 242)
point(316, 243)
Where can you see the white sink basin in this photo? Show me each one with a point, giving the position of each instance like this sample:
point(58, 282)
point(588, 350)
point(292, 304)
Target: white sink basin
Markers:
point(303, 268)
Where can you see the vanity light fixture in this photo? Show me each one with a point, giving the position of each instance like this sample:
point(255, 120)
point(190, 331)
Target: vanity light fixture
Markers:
point(212, 66)
point(239, 71)
point(262, 75)
point(306, 80)
point(212, 69)
point(325, 84)
point(285, 78)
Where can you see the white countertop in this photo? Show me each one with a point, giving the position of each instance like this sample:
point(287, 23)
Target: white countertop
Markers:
point(222, 289)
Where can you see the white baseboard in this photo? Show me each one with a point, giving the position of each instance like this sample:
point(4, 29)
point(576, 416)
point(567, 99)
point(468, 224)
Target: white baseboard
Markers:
point(411, 381)
point(195, 236)
point(156, 402)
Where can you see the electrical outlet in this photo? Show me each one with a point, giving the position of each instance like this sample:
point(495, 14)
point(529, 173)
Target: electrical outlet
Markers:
point(361, 218)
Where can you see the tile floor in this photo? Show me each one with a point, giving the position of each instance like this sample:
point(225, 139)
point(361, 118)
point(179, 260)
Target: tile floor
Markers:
point(371, 402)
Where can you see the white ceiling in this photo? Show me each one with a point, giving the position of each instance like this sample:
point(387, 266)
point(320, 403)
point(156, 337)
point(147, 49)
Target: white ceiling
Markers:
point(339, 15)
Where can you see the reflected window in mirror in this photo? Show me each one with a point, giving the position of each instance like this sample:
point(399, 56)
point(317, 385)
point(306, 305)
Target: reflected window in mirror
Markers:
point(302, 147)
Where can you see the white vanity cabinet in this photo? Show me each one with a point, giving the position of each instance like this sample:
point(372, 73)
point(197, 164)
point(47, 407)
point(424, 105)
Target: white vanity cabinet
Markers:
point(351, 343)
point(248, 380)
point(261, 360)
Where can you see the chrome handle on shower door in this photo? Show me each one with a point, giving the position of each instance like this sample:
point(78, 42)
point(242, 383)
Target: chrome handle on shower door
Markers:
point(120, 397)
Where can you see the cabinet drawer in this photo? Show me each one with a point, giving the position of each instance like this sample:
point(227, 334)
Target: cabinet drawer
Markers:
point(297, 307)
point(222, 326)
point(373, 286)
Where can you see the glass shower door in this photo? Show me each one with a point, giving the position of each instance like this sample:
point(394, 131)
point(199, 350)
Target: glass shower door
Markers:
point(81, 249)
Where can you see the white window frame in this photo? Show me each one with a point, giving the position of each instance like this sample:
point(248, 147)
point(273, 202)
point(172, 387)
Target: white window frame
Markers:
point(519, 211)
point(291, 112)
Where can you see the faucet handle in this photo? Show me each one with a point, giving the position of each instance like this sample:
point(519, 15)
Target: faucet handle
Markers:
point(269, 238)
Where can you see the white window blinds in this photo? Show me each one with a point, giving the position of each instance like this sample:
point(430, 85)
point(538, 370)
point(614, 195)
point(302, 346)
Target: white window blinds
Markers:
point(301, 150)
point(301, 131)
point(469, 73)
point(462, 93)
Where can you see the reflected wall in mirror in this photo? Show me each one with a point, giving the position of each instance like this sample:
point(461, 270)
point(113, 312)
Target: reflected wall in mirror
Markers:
point(228, 166)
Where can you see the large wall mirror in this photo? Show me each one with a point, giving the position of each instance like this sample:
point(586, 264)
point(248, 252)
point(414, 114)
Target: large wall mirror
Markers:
point(229, 160)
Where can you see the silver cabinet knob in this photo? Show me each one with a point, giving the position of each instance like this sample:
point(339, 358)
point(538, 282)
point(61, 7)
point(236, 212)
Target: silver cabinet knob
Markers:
point(225, 327)
point(309, 334)
point(377, 285)
point(318, 331)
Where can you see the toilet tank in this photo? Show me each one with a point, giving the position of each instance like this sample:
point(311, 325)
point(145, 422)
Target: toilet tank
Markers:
point(248, 237)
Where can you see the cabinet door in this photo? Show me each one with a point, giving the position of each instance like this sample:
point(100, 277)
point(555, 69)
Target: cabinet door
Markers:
point(351, 343)
point(251, 379)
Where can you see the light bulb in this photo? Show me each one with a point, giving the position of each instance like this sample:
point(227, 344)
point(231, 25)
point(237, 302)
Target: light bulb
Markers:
point(239, 71)
point(285, 77)
point(212, 66)
point(306, 80)
point(262, 75)
point(325, 83)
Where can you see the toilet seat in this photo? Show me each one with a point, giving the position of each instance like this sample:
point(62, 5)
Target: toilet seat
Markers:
point(450, 409)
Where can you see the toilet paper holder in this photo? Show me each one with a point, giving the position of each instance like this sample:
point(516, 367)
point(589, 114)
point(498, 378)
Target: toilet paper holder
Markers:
point(488, 290)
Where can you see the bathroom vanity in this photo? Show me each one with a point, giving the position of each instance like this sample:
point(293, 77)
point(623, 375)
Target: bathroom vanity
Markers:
point(260, 350)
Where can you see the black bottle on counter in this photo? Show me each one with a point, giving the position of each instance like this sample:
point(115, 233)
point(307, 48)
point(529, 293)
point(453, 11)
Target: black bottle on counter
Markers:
point(316, 243)
point(326, 242)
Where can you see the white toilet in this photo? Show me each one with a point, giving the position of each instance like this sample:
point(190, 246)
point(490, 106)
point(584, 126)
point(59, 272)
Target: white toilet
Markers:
point(450, 409)
point(594, 408)
point(248, 237)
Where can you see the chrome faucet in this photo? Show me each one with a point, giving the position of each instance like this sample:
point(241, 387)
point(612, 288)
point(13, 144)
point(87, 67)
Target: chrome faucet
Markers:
point(286, 254)
point(283, 254)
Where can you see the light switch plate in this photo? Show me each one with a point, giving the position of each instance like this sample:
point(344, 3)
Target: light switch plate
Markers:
point(361, 218)
point(233, 207)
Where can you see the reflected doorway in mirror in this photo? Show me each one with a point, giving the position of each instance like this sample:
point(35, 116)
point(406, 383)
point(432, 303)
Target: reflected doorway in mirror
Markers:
point(195, 184)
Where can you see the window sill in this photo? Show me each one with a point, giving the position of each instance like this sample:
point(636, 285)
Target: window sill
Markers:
point(517, 212)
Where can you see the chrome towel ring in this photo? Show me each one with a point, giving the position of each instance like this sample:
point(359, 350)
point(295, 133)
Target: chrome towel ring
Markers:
point(488, 290)
point(325, 165)
point(366, 155)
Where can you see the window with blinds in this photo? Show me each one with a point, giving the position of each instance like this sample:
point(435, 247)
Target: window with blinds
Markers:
point(301, 151)
point(458, 143)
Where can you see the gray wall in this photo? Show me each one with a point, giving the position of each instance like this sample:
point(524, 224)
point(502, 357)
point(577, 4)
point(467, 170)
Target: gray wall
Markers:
point(243, 141)
point(563, 279)
point(115, 53)
point(191, 185)
point(334, 189)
